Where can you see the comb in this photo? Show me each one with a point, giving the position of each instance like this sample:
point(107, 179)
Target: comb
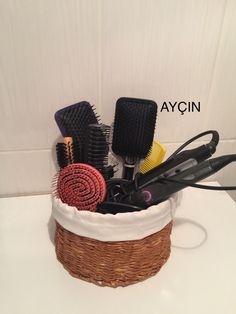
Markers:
point(154, 157)
point(134, 127)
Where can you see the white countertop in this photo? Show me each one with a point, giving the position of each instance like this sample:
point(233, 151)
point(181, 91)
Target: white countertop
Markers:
point(199, 277)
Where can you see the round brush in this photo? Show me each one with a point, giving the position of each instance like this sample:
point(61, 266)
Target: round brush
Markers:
point(67, 152)
point(80, 185)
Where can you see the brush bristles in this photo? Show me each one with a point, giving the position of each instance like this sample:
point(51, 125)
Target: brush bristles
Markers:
point(97, 148)
point(154, 157)
point(81, 185)
point(146, 166)
point(67, 153)
point(74, 120)
point(134, 127)
point(54, 186)
point(61, 153)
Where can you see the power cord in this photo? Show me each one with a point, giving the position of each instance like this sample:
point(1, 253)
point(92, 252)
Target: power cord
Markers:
point(199, 186)
point(212, 145)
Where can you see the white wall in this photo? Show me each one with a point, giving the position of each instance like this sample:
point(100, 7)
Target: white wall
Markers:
point(57, 52)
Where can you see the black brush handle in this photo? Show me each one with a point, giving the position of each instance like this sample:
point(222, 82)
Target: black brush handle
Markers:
point(128, 172)
point(129, 166)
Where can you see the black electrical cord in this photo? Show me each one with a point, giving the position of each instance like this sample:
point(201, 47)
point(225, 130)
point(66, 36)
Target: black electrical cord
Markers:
point(213, 143)
point(116, 189)
point(199, 186)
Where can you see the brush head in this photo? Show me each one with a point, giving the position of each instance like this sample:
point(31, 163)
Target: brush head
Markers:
point(134, 127)
point(74, 120)
point(96, 147)
point(67, 152)
point(61, 152)
point(80, 185)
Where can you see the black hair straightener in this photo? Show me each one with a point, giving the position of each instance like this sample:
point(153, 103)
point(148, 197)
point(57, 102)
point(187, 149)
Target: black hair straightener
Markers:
point(177, 162)
point(181, 169)
point(161, 190)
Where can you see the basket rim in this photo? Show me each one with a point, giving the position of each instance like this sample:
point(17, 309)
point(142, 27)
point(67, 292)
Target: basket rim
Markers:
point(118, 227)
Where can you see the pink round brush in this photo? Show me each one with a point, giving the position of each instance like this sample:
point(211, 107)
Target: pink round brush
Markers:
point(82, 186)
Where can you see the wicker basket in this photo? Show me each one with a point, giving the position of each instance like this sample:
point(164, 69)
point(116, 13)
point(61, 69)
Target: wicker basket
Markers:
point(112, 263)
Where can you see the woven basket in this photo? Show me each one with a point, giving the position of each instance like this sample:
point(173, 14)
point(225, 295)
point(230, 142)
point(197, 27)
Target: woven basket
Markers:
point(112, 263)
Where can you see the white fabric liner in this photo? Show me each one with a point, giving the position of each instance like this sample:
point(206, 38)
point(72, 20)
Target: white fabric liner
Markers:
point(119, 227)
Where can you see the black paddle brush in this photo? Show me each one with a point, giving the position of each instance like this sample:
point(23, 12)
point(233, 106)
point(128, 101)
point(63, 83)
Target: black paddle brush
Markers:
point(74, 120)
point(134, 127)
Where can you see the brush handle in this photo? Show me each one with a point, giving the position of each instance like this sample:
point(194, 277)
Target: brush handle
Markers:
point(128, 172)
point(129, 166)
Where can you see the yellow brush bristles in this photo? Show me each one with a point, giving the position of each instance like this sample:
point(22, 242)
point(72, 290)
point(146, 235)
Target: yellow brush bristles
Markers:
point(154, 157)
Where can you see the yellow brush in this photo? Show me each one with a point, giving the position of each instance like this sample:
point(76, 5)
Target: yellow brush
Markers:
point(154, 158)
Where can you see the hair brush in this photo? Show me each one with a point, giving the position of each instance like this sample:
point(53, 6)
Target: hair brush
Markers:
point(74, 120)
point(134, 127)
point(80, 185)
point(67, 152)
point(96, 149)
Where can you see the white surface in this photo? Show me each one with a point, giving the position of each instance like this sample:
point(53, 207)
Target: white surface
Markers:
point(119, 227)
point(57, 52)
point(200, 280)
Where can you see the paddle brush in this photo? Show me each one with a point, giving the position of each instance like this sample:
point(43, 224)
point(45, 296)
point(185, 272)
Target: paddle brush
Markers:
point(134, 127)
point(74, 120)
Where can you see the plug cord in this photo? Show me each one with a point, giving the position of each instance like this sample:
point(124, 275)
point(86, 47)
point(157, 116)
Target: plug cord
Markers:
point(211, 145)
point(199, 186)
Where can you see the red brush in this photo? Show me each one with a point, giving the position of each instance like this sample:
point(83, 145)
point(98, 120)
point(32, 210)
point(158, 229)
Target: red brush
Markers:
point(81, 185)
